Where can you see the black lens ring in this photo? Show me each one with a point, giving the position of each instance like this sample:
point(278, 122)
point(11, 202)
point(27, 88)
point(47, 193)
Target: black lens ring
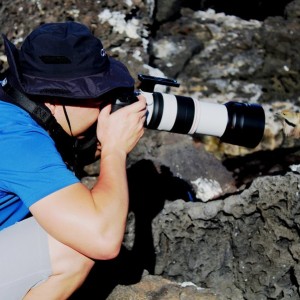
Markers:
point(246, 124)
point(158, 109)
point(185, 115)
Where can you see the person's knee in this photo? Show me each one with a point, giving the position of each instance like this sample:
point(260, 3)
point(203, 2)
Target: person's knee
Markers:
point(64, 281)
point(69, 263)
point(79, 269)
point(75, 269)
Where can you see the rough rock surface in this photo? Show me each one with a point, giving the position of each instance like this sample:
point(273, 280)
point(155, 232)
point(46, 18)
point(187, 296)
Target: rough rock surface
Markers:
point(222, 217)
point(253, 238)
point(154, 287)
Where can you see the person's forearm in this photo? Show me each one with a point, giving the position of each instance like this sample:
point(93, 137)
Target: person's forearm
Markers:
point(112, 183)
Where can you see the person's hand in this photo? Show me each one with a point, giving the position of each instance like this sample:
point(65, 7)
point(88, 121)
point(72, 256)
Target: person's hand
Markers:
point(122, 129)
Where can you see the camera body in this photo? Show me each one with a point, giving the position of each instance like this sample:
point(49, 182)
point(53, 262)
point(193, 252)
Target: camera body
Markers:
point(235, 123)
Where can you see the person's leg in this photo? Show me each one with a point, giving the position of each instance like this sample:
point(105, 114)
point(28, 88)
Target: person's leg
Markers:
point(24, 258)
point(69, 270)
point(35, 266)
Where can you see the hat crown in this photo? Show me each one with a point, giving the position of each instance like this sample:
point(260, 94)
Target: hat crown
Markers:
point(64, 60)
point(62, 50)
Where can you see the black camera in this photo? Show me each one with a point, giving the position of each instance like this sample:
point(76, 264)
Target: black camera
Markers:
point(235, 123)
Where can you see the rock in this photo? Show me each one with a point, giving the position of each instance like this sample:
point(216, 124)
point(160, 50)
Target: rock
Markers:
point(244, 246)
point(155, 287)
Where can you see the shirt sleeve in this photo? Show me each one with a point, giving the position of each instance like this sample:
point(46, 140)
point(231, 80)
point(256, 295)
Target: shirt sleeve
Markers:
point(31, 167)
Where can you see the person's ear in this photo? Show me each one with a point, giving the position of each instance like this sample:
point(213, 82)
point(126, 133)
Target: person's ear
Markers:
point(51, 106)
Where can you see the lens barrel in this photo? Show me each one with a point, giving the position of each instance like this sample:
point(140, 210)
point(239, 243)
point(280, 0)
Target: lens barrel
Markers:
point(234, 122)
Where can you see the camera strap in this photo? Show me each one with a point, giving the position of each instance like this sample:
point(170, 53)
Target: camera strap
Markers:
point(38, 111)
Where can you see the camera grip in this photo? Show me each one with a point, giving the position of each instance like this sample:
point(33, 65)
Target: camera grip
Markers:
point(124, 101)
point(117, 106)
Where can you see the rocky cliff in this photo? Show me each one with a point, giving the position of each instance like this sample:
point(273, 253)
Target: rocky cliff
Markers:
point(208, 220)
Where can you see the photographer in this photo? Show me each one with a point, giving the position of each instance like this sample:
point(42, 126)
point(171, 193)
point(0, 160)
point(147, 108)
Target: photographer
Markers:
point(52, 227)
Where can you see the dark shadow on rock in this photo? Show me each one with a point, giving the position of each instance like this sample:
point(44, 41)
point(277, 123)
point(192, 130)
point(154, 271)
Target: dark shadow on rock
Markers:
point(148, 188)
point(270, 162)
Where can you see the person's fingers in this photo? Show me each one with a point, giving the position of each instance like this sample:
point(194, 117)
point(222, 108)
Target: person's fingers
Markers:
point(105, 111)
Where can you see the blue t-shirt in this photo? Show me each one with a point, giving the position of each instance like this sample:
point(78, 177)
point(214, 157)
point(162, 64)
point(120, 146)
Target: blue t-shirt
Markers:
point(30, 166)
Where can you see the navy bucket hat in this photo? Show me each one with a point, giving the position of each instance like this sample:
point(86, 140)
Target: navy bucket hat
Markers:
point(64, 60)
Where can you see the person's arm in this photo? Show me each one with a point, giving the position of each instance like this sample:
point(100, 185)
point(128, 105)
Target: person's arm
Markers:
point(93, 221)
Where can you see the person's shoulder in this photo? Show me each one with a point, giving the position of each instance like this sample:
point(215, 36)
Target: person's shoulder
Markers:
point(10, 112)
point(8, 107)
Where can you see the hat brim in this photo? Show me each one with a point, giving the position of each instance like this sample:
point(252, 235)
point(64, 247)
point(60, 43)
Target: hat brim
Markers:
point(87, 87)
point(12, 58)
